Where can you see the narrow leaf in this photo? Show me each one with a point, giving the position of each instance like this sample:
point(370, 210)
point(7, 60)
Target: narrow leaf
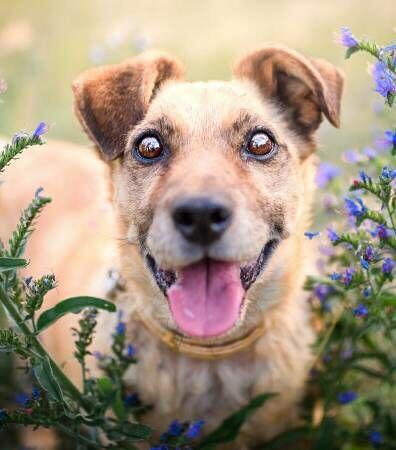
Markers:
point(71, 305)
point(11, 263)
point(45, 376)
point(230, 427)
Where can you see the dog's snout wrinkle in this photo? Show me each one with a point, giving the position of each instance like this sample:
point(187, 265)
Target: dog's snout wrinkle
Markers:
point(201, 220)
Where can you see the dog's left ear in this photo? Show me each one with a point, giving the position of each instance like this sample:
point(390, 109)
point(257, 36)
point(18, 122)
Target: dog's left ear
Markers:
point(111, 100)
point(304, 88)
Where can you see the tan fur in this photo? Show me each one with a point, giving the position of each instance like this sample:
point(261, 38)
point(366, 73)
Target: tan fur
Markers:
point(205, 125)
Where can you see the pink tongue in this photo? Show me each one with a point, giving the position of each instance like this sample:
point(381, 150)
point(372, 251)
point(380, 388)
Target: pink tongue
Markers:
point(207, 297)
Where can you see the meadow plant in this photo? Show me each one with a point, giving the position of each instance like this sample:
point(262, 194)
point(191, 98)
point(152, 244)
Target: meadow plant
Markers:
point(351, 394)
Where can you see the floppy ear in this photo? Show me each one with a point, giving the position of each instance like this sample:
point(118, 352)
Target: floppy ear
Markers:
point(110, 100)
point(304, 88)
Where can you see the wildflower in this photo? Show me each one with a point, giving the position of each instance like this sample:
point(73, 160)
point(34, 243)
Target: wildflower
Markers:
point(335, 276)
point(369, 152)
point(369, 253)
point(36, 393)
point(41, 129)
point(388, 265)
point(161, 447)
point(360, 311)
point(38, 192)
point(195, 429)
point(382, 232)
point(364, 263)
point(388, 174)
point(347, 397)
point(347, 276)
point(384, 79)
point(175, 428)
point(130, 351)
point(311, 234)
point(3, 414)
point(375, 437)
point(355, 207)
point(364, 177)
point(367, 292)
point(326, 250)
point(332, 235)
point(346, 353)
point(120, 328)
point(346, 38)
point(352, 156)
point(322, 291)
point(326, 172)
point(22, 399)
point(387, 141)
point(18, 137)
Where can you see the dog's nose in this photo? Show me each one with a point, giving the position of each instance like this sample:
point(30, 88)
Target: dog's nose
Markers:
point(201, 220)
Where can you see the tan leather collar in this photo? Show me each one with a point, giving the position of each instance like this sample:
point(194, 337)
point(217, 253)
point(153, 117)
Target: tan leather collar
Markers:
point(197, 350)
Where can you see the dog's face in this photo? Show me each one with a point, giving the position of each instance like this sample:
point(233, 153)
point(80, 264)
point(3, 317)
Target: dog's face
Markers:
point(207, 175)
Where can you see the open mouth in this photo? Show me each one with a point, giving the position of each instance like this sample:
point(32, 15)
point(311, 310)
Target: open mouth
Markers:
point(206, 297)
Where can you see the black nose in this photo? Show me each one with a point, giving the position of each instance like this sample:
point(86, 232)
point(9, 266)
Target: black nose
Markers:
point(201, 220)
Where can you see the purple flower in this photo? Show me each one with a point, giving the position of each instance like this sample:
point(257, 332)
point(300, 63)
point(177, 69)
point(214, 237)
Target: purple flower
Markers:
point(384, 79)
point(161, 447)
point(375, 437)
point(369, 152)
point(131, 400)
point(364, 177)
point(41, 129)
point(382, 232)
point(326, 172)
point(367, 292)
point(346, 38)
point(360, 311)
point(369, 253)
point(364, 264)
point(352, 156)
point(335, 276)
point(36, 393)
point(388, 265)
point(332, 235)
point(130, 351)
point(175, 428)
point(194, 429)
point(120, 328)
point(347, 397)
point(322, 291)
point(22, 399)
point(354, 207)
point(388, 174)
point(387, 141)
point(347, 276)
point(311, 234)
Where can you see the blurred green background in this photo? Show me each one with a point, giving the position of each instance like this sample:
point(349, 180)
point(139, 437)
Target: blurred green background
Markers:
point(44, 44)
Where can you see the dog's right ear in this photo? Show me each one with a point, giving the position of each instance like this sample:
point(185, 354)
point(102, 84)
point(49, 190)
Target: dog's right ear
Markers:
point(111, 100)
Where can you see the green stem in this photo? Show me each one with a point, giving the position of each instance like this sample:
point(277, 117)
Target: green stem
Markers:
point(62, 379)
point(80, 438)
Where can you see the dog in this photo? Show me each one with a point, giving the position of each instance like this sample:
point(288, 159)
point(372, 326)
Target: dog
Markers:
point(212, 185)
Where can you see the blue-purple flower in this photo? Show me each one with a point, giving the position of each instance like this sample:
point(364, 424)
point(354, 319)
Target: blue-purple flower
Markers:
point(311, 234)
point(22, 399)
point(387, 141)
point(36, 393)
point(347, 397)
point(364, 263)
point(335, 276)
point(41, 129)
point(367, 291)
point(352, 156)
point(322, 291)
point(360, 311)
point(364, 177)
point(384, 79)
point(347, 276)
point(375, 437)
point(382, 232)
point(131, 400)
point(355, 207)
point(346, 38)
point(369, 152)
point(120, 328)
point(161, 447)
point(326, 172)
point(388, 174)
point(175, 428)
point(332, 235)
point(388, 265)
point(130, 351)
point(194, 429)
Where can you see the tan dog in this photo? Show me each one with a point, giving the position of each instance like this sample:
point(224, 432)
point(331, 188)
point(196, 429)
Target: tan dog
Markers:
point(212, 185)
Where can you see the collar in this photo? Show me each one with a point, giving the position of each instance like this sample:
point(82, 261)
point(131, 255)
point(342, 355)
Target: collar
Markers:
point(198, 350)
point(181, 344)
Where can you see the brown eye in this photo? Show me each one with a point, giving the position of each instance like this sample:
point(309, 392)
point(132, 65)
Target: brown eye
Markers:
point(149, 148)
point(260, 144)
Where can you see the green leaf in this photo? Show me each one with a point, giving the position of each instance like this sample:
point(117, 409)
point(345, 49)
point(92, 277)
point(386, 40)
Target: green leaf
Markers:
point(119, 407)
point(229, 429)
point(45, 376)
point(325, 439)
point(351, 51)
point(134, 431)
point(71, 305)
point(11, 263)
point(294, 436)
point(105, 387)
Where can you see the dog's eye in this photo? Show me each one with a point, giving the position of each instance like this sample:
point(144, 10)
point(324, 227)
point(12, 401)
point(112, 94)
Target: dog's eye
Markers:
point(149, 148)
point(260, 144)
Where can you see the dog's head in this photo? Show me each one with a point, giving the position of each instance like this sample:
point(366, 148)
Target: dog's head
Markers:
point(207, 176)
